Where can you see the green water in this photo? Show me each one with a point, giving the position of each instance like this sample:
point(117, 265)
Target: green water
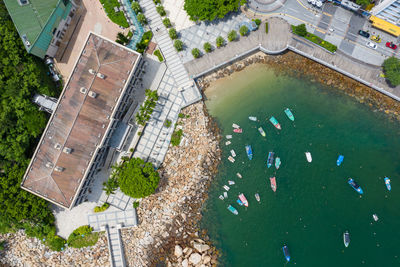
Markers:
point(313, 204)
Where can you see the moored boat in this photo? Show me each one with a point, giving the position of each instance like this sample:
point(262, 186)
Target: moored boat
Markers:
point(275, 122)
point(231, 182)
point(261, 130)
point(387, 183)
point(233, 153)
point(233, 210)
point(339, 160)
point(273, 183)
point(234, 125)
point(252, 118)
point(289, 114)
point(257, 196)
point(249, 152)
point(277, 162)
point(239, 202)
point(237, 130)
point(221, 197)
point(308, 156)
point(346, 238)
point(227, 143)
point(239, 175)
point(270, 159)
point(231, 159)
point(229, 136)
point(244, 200)
point(226, 187)
point(375, 217)
point(286, 253)
point(225, 194)
point(355, 186)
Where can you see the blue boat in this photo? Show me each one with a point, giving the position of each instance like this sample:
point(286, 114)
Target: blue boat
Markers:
point(355, 186)
point(286, 253)
point(275, 122)
point(249, 152)
point(233, 210)
point(239, 202)
point(270, 159)
point(339, 160)
point(289, 114)
point(387, 183)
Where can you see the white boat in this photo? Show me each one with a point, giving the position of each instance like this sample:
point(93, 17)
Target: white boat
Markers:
point(318, 3)
point(231, 182)
point(308, 156)
point(233, 153)
point(229, 136)
point(313, 2)
point(226, 187)
point(225, 195)
point(221, 197)
point(239, 175)
point(227, 143)
point(231, 159)
point(257, 196)
point(235, 126)
point(375, 217)
point(252, 118)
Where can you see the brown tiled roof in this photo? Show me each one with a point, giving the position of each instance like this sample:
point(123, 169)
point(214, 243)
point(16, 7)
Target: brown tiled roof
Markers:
point(80, 121)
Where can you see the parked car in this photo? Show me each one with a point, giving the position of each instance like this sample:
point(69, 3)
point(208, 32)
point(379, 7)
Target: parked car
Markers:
point(371, 45)
point(48, 61)
point(376, 38)
point(363, 33)
point(53, 73)
point(391, 45)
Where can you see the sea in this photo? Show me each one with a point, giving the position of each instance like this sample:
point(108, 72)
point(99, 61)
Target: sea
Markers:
point(313, 204)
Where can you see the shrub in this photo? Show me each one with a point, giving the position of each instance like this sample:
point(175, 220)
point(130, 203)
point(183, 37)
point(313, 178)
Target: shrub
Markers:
point(391, 68)
point(157, 53)
point(167, 123)
point(181, 115)
point(110, 186)
point(196, 52)
point(243, 30)
point(232, 35)
point(137, 178)
point(266, 27)
point(157, 2)
point(122, 39)
point(211, 9)
point(172, 34)
point(2, 245)
point(178, 44)
point(147, 108)
point(142, 19)
point(207, 47)
point(300, 30)
point(166, 22)
point(82, 237)
point(142, 45)
point(55, 242)
point(161, 11)
point(176, 137)
point(257, 22)
point(102, 207)
point(129, 35)
point(136, 7)
point(220, 41)
point(136, 204)
point(116, 17)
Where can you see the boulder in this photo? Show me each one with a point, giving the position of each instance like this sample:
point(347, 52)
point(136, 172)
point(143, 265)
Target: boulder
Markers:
point(185, 263)
point(206, 259)
point(178, 251)
point(195, 258)
point(201, 247)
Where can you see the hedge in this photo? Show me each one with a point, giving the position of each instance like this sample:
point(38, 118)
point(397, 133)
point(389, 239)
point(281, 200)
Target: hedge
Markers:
point(159, 55)
point(102, 207)
point(318, 41)
point(116, 17)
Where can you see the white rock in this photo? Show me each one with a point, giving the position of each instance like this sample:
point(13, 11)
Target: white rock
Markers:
point(206, 259)
point(178, 251)
point(185, 263)
point(201, 247)
point(195, 258)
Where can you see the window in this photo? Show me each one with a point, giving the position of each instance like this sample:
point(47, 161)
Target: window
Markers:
point(54, 31)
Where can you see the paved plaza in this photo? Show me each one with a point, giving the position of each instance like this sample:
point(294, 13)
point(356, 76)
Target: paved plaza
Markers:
point(177, 15)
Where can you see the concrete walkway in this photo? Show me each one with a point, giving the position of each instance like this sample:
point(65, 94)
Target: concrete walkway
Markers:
point(117, 258)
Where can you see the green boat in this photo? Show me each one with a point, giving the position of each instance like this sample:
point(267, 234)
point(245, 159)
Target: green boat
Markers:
point(289, 114)
point(261, 130)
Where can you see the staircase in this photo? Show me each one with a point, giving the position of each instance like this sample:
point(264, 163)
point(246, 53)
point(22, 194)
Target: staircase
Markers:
point(115, 247)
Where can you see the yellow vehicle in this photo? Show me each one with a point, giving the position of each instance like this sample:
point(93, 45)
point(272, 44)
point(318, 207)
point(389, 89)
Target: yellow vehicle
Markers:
point(376, 38)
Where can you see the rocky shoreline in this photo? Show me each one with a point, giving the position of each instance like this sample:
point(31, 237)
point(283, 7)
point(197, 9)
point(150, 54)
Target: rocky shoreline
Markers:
point(296, 65)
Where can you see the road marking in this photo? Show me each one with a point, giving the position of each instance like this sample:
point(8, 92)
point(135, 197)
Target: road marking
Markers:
point(299, 1)
point(327, 14)
point(321, 31)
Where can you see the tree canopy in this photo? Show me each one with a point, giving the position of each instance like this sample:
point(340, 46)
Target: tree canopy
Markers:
point(391, 68)
point(136, 178)
point(211, 9)
point(363, 2)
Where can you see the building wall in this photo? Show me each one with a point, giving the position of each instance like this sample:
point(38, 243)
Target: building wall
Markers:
point(388, 10)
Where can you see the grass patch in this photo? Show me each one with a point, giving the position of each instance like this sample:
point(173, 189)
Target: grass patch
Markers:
point(266, 27)
point(176, 137)
point(116, 17)
point(157, 53)
point(318, 41)
point(142, 45)
point(82, 237)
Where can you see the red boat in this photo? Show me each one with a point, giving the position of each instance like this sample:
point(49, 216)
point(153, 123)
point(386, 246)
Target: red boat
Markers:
point(273, 183)
point(238, 130)
point(244, 200)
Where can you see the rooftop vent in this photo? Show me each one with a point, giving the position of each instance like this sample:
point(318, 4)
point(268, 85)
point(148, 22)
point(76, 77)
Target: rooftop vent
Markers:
point(92, 71)
point(57, 146)
point(83, 90)
point(49, 165)
point(92, 94)
point(100, 75)
point(67, 150)
point(59, 169)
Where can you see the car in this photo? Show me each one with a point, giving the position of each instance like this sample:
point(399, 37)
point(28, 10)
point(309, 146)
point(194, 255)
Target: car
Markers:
point(371, 45)
point(376, 38)
point(363, 33)
point(391, 45)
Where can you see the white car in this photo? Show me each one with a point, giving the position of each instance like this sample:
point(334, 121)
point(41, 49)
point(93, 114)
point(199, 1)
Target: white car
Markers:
point(372, 45)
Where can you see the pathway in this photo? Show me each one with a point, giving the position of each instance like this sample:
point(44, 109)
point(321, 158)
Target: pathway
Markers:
point(136, 27)
point(117, 258)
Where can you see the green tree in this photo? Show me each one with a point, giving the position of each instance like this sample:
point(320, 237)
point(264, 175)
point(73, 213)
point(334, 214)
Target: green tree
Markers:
point(300, 30)
point(147, 108)
point(243, 30)
point(196, 52)
point(363, 3)
point(220, 41)
point(160, 9)
point(211, 9)
point(207, 47)
point(167, 22)
point(178, 44)
point(136, 7)
point(172, 34)
point(391, 68)
point(141, 18)
point(136, 178)
point(110, 185)
point(122, 39)
point(257, 22)
point(232, 36)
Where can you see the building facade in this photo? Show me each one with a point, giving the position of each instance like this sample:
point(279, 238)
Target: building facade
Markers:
point(388, 10)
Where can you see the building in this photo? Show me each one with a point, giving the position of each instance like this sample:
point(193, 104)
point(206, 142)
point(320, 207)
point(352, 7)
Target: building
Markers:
point(41, 24)
point(77, 139)
point(386, 16)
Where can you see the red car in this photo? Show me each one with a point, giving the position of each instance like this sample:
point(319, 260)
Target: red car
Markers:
point(391, 45)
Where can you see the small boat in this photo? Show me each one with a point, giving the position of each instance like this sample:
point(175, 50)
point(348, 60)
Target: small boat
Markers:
point(225, 194)
point(227, 143)
point(257, 196)
point(249, 152)
point(239, 175)
point(252, 118)
point(346, 238)
point(229, 136)
point(286, 253)
point(233, 210)
point(273, 183)
point(339, 160)
point(231, 182)
point(239, 202)
point(238, 130)
point(261, 130)
point(233, 153)
point(375, 217)
point(277, 162)
point(355, 186)
point(244, 200)
point(308, 156)
point(289, 114)
point(231, 159)
point(275, 123)
point(221, 197)
point(235, 126)
point(226, 187)
point(387, 183)
point(270, 159)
